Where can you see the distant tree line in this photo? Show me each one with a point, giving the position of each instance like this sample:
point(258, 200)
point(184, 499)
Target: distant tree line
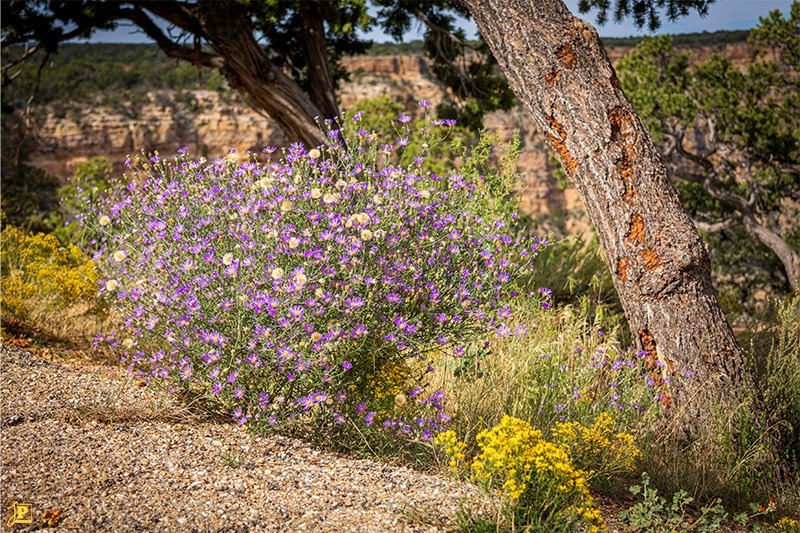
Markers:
point(688, 40)
point(79, 72)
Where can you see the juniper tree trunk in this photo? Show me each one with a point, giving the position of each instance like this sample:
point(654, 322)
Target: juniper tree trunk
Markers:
point(320, 78)
point(660, 266)
point(248, 70)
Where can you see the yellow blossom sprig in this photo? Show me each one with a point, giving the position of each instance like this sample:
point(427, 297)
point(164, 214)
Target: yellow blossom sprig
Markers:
point(598, 449)
point(536, 475)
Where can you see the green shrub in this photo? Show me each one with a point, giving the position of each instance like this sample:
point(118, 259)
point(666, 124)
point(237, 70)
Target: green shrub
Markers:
point(541, 488)
point(311, 291)
point(45, 283)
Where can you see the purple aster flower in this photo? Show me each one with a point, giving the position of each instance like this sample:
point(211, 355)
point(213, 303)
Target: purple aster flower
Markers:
point(306, 402)
point(370, 418)
point(186, 372)
point(297, 312)
point(353, 303)
point(263, 399)
point(320, 397)
point(347, 365)
point(400, 323)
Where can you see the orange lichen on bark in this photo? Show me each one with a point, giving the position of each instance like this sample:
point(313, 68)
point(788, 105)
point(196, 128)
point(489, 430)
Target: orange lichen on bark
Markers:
point(621, 132)
point(636, 229)
point(569, 162)
point(650, 258)
point(551, 78)
point(622, 268)
point(566, 53)
point(656, 371)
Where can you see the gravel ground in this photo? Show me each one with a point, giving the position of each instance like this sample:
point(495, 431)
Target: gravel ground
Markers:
point(108, 455)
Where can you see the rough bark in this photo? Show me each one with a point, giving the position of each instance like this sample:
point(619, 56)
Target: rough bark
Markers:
point(320, 77)
point(660, 266)
point(239, 57)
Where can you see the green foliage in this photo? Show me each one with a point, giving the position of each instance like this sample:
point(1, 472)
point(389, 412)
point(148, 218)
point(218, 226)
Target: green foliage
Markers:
point(389, 48)
point(644, 11)
point(91, 181)
point(280, 27)
point(467, 68)
point(775, 354)
point(575, 269)
point(30, 199)
point(381, 119)
point(116, 72)
point(41, 279)
point(655, 515)
point(687, 40)
point(732, 140)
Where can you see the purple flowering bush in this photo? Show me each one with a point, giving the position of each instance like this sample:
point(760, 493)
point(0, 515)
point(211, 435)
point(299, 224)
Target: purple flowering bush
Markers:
point(310, 288)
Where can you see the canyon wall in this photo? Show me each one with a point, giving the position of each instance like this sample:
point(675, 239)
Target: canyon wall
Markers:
point(210, 123)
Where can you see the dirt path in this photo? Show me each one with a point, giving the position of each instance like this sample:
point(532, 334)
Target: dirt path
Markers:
point(101, 453)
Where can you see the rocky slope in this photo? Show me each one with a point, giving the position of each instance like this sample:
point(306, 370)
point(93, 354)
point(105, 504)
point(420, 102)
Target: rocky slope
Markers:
point(210, 123)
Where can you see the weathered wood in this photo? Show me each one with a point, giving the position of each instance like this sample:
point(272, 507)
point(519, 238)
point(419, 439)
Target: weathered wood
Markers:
point(558, 68)
point(224, 24)
point(320, 77)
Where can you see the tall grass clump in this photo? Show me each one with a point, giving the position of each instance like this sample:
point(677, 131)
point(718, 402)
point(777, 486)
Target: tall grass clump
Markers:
point(314, 289)
point(734, 459)
point(570, 367)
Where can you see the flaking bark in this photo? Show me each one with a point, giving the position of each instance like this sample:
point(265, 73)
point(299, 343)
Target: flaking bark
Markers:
point(660, 266)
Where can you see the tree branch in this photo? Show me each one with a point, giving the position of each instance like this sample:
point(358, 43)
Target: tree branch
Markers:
point(28, 53)
point(716, 227)
point(174, 13)
point(167, 45)
point(789, 257)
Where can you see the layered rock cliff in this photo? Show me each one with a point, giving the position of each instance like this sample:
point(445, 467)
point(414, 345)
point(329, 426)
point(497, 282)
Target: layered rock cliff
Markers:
point(210, 123)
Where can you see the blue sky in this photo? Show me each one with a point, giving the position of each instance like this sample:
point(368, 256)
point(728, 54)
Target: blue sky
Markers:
point(722, 15)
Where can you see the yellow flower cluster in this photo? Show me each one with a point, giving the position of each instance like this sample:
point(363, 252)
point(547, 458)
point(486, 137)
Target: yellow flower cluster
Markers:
point(452, 446)
point(598, 449)
point(389, 380)
point(788, 525)
point(38, 270)
point(516, 455)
